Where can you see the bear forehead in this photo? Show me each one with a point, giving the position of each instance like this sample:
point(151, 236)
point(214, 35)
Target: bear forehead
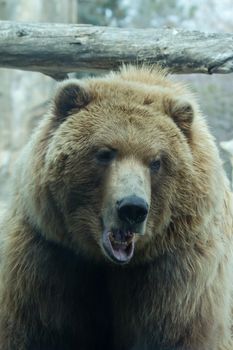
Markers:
point(126, 126)
point(119, 112)
point(125, 104)
point(128, 93)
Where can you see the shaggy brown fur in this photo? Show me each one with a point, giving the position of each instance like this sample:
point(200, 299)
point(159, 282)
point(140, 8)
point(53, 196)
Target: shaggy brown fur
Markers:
point(135, 130)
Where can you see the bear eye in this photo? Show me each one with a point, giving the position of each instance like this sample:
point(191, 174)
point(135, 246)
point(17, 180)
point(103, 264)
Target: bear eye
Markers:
point(105, 155)
point(155, 165)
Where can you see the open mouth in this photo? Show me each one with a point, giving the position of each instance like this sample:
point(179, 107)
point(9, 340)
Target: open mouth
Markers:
point(119, 245)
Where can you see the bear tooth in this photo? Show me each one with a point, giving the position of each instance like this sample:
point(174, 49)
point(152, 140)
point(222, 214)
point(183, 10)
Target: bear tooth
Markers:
point(120, 242)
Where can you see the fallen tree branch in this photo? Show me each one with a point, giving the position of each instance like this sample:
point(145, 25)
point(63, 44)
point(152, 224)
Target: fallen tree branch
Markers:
point(58, 49)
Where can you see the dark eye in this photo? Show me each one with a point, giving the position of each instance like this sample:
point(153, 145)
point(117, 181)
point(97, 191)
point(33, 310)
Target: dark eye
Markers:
point(105, 155)
point(155, 165)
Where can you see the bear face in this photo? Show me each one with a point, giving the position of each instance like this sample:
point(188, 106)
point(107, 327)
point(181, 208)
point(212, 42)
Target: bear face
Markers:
point(116, 166)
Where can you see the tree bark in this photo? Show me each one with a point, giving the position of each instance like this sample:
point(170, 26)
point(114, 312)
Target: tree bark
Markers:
point(58, 49)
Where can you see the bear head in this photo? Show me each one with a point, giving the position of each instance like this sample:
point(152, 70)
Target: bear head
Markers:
point(119, 170)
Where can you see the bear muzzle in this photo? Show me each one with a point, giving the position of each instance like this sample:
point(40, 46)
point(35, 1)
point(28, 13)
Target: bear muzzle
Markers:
point(118, 243)
point(125, 209)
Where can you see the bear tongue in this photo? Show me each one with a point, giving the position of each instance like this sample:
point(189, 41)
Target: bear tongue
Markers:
point(122, 252)
point(119, 245)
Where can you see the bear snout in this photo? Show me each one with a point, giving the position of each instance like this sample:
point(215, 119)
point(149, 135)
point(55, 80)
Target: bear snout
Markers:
point(132, 210)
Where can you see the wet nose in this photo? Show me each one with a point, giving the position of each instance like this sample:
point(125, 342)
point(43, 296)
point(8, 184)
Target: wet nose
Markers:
point(132, 209)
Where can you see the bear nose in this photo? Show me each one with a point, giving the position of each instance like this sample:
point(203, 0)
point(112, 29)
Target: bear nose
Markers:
point(132, 209)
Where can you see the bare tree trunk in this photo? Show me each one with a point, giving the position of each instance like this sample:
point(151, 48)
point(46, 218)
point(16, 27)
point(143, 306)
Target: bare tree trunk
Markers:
point(60, 48)
point(23, 95)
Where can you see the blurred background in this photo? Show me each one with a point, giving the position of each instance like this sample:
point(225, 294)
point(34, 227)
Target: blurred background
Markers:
point(24, 96)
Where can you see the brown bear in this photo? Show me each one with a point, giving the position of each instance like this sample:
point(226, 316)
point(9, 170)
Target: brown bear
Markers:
point(119, 231)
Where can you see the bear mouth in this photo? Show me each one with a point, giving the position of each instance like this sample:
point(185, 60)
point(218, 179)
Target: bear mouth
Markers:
point(119, 245)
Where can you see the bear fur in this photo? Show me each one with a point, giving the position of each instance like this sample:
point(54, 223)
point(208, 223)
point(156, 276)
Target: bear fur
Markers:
point(64, 284)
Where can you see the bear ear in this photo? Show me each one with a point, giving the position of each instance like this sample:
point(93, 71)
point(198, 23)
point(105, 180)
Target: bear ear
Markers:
point(182, 113)
point(71, 95)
